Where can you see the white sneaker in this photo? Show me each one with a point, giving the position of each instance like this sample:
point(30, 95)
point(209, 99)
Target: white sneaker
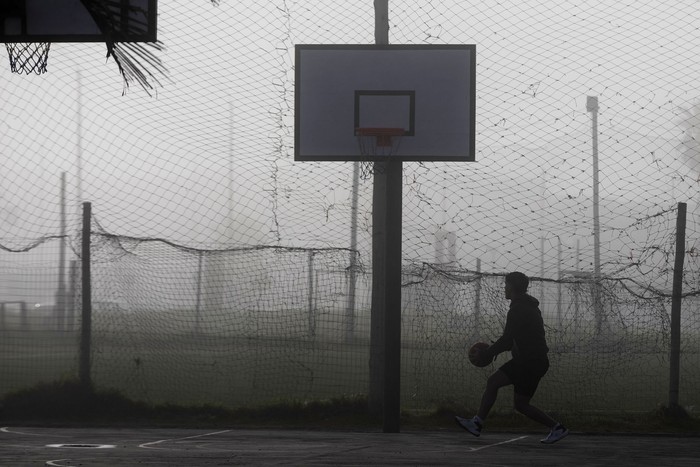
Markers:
point(558, 432)
point(472, 425)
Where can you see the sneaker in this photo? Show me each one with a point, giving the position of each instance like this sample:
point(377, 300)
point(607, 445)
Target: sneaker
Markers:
point(557, 433)
point(472, 425)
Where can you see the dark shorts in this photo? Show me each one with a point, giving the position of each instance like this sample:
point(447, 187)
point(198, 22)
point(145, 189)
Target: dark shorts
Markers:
point(525, 375)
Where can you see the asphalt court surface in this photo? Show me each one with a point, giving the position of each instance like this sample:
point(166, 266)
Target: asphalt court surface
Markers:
point(64, 447)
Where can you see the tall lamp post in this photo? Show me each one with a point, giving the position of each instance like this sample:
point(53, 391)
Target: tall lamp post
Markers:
point(592, 106)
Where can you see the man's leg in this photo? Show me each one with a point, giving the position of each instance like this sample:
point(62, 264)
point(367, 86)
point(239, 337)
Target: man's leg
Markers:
point(557, 431)
point(495, 382)
point(522, 405)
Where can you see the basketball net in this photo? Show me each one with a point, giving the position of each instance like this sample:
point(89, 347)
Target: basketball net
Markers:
point(28, 57)
point(376, 143)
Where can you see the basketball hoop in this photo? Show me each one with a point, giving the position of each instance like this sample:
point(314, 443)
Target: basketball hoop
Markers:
point(376, 143)
point(28, 57)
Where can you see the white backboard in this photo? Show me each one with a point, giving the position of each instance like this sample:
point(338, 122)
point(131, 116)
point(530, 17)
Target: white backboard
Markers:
point(428, 90)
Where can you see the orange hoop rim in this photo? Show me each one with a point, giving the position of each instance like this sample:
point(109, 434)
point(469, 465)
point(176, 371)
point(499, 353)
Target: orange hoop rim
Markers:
point(374, 131)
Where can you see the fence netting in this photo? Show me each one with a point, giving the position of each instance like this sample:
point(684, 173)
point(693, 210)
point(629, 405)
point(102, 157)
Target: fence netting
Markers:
point(223, 272)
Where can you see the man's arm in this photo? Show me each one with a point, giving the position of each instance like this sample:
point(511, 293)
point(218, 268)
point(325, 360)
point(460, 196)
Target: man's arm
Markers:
point(505, 342)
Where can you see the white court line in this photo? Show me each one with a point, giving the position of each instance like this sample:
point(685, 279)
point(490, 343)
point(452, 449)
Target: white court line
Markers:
point(149, 445)
point(6, 429)
point(497, 444)
point(54, 464)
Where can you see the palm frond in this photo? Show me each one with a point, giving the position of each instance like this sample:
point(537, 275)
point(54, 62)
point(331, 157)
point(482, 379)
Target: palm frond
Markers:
point(137, 61)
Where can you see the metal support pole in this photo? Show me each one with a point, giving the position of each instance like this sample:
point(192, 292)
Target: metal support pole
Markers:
point(477, 299)
point(377, 347)
point(310, 298)
point(677, 294)
point(198, 305)
point(560, 324)
point(385, 352)
point(61, 288)
point(352, 286)
point(592, 106)
point(392, 318)
point(86, 324)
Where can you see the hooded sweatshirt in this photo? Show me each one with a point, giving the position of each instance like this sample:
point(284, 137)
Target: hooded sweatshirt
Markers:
point(523, 334)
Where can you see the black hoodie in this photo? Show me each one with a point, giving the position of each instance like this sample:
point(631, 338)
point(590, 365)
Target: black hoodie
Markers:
point(523, 334)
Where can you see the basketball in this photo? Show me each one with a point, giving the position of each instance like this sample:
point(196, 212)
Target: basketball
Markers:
point(475, 354)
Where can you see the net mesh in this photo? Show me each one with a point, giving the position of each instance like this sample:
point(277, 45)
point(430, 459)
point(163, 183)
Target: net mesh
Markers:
point(28, 57)
point(202, 179)
point(376, 144)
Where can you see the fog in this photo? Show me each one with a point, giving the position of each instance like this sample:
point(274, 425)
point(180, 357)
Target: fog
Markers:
point(206, 162)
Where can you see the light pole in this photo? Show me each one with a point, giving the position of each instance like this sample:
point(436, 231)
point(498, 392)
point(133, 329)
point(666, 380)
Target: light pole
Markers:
point(352, 286)
point(592, 106)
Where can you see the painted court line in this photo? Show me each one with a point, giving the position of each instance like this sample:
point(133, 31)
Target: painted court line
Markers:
point(152, 443)
point(9, 430)
point(55, 463)
point(497, 444)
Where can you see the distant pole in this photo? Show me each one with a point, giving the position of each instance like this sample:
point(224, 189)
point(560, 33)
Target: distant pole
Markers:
point(542, 241)
point(592, 106)
point(577, 319)
point(24, 316)
point(198, 304)
point(72, 294)
point(86, 324)
point(61, 288)
point(310, 295)
point(542, 290)
point(352, 286)
point(578, 255)
point(677, 294)
point(559, 291)
point(477, 298)
point(231, 177)
point(79, 149)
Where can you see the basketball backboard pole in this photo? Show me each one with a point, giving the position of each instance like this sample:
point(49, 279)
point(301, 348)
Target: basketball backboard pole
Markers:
point(386, 267)
point(389, 104)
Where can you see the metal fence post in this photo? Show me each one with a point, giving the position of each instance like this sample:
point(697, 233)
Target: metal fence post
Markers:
point(677, 293)
point(86, 323)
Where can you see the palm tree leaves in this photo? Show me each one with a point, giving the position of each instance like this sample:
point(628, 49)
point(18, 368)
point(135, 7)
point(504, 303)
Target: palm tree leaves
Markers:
point(121, 23)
